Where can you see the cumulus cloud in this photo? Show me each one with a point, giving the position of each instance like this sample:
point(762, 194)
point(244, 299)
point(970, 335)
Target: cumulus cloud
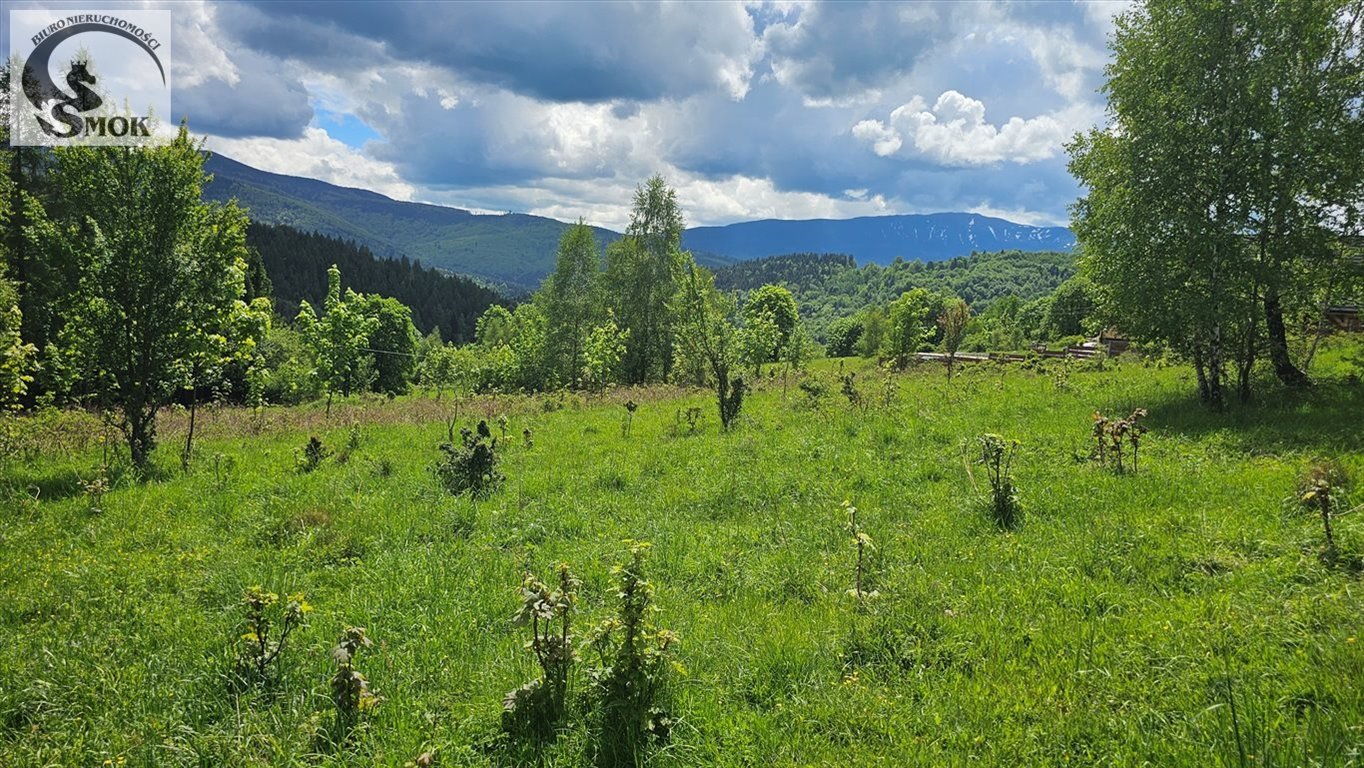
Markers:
point(316, 155)
point(259, 99)
point(955, 132)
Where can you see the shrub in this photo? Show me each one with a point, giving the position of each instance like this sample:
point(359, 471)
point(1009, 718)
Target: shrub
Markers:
point(628, 688)
point(1110, 435)
point(854, 395)
point(471, 466)
point(538, 706)
point(996, 454)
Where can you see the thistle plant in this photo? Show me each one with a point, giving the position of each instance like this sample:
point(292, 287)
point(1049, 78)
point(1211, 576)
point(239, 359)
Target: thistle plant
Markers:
point(1324, 484)
point(630, 407)
point(471, 466)
point(628, 687)
point(312, 456)
point(1111, 435)
point(854, 395)
point(996, 454)
point(864, 544)
point(351, 692)
point(260, 649)
point(538, 706)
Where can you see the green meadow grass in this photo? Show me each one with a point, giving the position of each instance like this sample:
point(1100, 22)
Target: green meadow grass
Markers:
point(1178, 616)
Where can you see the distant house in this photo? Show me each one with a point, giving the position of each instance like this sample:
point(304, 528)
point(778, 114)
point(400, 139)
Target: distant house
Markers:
point(1112, 341)
point(1345, 318)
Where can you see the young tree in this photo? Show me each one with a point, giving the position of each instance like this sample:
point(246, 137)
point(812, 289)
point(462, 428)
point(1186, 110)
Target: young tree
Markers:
point(707, 335)
point(908, 327)
point(572, 302)
point(338, 339)
point(154, 261)
point(777, 303)
point(843, 336)
point(393, 343)
point(873, 332)
point(641, 280)
point(1070, 308)
point(602, 352)
point(15, 355)
point(1235, 154)
point(955, 317)
point(757, 340)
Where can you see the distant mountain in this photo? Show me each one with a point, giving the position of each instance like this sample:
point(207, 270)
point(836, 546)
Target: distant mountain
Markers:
point(878, 239)
point(296, 263)
point(515, 251)
point(511, 251)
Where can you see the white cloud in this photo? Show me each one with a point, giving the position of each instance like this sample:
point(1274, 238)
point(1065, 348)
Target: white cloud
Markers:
point(318, 156)
point(954, 132)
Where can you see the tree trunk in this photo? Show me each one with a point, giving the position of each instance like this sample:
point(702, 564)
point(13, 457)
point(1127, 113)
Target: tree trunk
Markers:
point(951, 358)
point(189, 438)
point(1200, 369)
point(1284, 368)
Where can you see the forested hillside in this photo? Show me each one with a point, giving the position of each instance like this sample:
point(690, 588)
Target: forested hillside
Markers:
point(829, 286)
point(297, 263)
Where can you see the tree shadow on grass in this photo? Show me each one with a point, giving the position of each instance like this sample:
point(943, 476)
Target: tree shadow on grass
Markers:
point(1326, 419)
point(48, 486)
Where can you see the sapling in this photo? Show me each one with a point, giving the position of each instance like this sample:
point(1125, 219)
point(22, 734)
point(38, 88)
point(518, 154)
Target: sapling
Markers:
point(864, 544)
point(471, 466)
point(313, 455)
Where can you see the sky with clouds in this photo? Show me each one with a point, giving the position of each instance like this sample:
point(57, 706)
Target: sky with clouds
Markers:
point(750, 109)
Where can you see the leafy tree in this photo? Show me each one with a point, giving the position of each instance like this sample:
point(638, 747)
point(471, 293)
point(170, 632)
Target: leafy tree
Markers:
point(907, 327)
point(392, 342)
point(757, 339)
point(707, 336)
point(641, 280)
point(571, 302)
point(873, 332)
point(777, 303)
point(1070, 308)
point(842, 336)
point(154, 261)
point(339, 339)
point(954, 319)
point(1234, 156)
point(15, 355)
point(602, 352)
point(495, 327)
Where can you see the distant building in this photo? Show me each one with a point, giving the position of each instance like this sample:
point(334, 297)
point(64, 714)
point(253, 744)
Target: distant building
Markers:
point(1345, 318)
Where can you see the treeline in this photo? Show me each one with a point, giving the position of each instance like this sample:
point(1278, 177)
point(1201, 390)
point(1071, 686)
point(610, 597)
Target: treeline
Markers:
point(297, 263)
point(831, 286)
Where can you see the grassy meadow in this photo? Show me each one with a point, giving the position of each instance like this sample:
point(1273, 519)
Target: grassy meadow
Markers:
point(1179, 615)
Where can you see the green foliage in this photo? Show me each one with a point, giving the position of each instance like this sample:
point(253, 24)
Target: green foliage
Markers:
point(828, 287)
point(539, 706)
point(392, 342)
point(907, 327)
point(862, 543)
point(842, 337)
point(297, 263)
point(996, 455)
point(1112, 435)
point(629, 687)
point(778, 306)
point(471, 466)
point(351, 692)
point(15, 355)
point(705, 335)
point(1071, 308)
point(1322, 488)
point(159, 272)
point(954, 320)
point(288, 373)
point(572, 302)
point(603, 350)
point(339, 339)
point(312, 455)
point(259, 655)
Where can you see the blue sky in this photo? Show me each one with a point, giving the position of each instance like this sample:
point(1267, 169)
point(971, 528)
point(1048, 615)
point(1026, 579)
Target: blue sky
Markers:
point(750, 109)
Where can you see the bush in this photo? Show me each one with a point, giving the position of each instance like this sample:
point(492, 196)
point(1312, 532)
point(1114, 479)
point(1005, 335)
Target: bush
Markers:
point(471, 466)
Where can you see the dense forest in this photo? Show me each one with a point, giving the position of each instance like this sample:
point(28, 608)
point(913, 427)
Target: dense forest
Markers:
point(296, 263)
point(830, 286)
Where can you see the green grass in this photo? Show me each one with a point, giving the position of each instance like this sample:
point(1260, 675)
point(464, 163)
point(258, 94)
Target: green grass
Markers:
point(1116, 625)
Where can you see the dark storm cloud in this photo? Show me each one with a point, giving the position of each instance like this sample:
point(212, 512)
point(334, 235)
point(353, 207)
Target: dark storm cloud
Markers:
point(263, 101)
